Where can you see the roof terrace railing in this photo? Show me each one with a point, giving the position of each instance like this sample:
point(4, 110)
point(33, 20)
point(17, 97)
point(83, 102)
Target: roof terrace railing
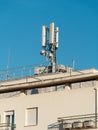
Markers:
point(15, 73)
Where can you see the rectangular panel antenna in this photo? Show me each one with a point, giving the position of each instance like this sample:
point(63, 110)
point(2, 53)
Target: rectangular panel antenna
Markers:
point(51, 33)
point(57, 36)
point(43, 36)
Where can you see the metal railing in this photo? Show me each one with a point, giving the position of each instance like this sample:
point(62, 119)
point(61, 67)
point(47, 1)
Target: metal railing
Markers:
point(54, 126)
point(76, 117)
point(15, 73)
point(5, 126)
point(69, 121)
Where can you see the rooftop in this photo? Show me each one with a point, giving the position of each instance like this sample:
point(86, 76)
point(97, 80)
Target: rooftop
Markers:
point(47, 80)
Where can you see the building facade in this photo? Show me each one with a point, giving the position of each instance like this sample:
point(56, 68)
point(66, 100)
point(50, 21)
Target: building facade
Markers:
point(72, 105)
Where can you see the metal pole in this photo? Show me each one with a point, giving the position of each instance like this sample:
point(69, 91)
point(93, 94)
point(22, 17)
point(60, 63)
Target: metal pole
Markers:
point(95, 107)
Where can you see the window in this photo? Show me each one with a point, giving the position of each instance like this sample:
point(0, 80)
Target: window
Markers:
point(32, 116)
point(90, 83)
point(9, 118)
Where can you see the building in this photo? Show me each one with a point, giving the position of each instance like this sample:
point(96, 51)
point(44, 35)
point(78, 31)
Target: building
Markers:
point(72, 106)
point(55, 98)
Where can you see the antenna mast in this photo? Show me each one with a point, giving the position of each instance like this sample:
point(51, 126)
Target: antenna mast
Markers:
point(50, 44)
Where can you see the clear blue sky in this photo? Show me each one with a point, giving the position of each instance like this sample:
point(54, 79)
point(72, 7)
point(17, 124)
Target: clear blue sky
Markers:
point(20, 31)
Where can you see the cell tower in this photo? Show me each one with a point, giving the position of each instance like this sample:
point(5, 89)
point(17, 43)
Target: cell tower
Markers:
point(50, 44)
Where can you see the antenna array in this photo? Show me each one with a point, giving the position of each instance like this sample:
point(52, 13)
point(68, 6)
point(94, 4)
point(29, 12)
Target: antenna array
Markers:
point(50, 44)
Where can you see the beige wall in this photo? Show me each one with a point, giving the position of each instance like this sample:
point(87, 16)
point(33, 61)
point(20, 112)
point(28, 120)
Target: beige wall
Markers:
point(50, 106)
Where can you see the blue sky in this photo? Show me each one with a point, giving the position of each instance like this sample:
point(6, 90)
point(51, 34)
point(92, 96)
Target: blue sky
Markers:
point(20, 31)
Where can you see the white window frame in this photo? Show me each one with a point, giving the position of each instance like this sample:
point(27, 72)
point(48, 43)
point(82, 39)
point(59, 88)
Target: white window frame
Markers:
point(31, 120)
point(11, 122)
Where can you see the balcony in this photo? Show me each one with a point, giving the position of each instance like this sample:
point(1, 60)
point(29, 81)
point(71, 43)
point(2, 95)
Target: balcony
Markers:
point(74, 122)
point(4, 126)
